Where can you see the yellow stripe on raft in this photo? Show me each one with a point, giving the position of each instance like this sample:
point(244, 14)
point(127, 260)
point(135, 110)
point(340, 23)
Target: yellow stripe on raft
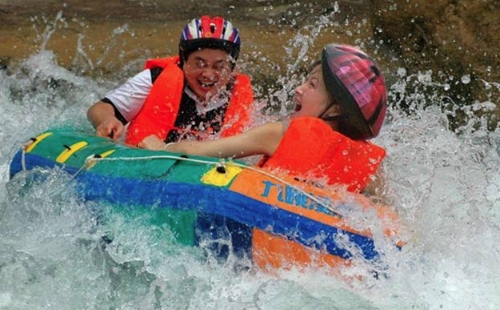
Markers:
point(106, 154)
point(214, 177)
point(29, 147)
point(63, 157)
point(92, 163)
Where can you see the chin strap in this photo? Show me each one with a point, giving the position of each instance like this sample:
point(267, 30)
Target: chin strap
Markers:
point(332, 118)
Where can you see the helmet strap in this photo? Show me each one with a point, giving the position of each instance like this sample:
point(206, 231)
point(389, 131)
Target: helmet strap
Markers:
point(332, 118)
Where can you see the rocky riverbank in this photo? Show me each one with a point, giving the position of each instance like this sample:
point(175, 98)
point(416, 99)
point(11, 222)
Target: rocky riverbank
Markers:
point(453, 41)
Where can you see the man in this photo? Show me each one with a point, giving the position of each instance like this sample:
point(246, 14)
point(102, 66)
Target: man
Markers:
point(189, 96)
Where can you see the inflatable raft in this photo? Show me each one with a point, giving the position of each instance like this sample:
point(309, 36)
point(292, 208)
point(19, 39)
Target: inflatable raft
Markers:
point(275, 221)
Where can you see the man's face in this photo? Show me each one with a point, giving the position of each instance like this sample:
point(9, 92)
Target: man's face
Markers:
point(207, 72)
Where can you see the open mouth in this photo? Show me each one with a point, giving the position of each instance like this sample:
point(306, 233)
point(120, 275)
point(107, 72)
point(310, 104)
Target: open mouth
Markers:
point(207, 85)
point(298, 107)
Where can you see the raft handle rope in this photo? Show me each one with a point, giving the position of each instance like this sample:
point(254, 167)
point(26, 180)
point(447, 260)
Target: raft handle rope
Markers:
point(220, 168)
point(23, 152)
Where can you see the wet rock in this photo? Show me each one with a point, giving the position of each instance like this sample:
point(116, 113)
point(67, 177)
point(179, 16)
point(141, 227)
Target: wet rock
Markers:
point(456, 39)
point(4, 61)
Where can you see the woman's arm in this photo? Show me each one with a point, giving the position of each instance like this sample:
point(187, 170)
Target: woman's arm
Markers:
point(259, 140)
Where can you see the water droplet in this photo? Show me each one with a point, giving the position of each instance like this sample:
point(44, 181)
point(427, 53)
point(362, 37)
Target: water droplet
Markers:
point(466, 79)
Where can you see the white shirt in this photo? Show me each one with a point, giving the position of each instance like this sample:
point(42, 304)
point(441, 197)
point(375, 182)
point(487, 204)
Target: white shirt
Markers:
point(130, 97)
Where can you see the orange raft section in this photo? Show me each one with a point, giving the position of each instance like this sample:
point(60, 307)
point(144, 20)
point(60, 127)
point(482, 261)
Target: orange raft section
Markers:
point(271, 250)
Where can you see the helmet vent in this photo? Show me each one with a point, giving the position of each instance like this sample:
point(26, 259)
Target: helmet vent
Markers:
point(207, 32)
point(355, 81)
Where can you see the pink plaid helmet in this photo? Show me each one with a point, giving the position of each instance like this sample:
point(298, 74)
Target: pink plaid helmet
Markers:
point(207, 32)
point(357, 85)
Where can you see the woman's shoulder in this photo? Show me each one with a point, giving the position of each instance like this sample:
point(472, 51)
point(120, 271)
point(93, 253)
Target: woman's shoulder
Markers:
point(310, 123)
point(308, 120)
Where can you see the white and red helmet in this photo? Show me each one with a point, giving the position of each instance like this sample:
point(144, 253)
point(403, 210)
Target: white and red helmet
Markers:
point(207, 32)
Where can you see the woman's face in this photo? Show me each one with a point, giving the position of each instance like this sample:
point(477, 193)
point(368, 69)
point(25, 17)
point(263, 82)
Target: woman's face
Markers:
point(311, 97)
point(207, 72)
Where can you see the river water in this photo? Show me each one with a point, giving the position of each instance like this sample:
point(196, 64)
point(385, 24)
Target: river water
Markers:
point(445, 185)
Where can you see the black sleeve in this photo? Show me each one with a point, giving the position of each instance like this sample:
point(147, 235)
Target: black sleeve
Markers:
point(118, 115)
point(155, 72)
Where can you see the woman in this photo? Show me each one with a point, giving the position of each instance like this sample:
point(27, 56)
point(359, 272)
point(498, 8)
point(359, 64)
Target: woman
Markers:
point(341, 104)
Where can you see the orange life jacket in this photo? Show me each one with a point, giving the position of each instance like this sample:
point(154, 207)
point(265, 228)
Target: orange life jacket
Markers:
point(311, 149)
point(161, 108)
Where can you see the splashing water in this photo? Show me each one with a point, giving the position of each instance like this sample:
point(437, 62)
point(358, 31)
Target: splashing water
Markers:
point(445, 185)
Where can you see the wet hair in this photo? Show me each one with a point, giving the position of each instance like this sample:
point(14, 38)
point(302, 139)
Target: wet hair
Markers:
point(331, 99)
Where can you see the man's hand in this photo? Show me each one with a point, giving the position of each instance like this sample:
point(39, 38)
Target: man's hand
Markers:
point(102, 116)
point(152, 142)
point(111, 127)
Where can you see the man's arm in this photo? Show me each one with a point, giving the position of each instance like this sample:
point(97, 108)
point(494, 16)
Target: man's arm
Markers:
point(102, 116)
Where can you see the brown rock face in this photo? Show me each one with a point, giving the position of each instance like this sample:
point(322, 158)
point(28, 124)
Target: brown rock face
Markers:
point(456, 39)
